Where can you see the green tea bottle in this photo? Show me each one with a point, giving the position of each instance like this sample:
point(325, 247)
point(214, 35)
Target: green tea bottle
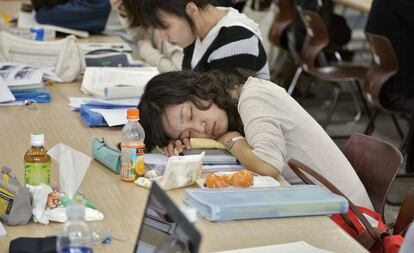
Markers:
point(37, 162)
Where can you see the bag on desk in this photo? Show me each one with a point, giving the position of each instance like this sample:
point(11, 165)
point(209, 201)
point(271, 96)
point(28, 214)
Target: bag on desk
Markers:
point(15, 204)
point(64, 55)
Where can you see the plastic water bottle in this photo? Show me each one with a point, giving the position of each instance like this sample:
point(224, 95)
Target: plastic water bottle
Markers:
point(76, 236)
point(132, 148)
point(37, 164)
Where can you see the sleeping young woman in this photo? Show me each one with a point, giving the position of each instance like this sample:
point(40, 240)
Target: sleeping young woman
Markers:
point(258, 122)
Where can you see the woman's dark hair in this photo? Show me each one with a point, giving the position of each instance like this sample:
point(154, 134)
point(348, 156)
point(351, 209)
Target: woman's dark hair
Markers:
point(47, 3)
point(145, 12)
point(174, 88)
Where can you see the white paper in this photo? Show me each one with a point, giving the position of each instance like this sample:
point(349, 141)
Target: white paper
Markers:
point(40, 194)
point(59, 214)
point(73, 166)
point(114, 117)
point(5, 94)
point(2, 230)
point(20, 76)
point(294, 247)
point(76, 102)
point(96, 79)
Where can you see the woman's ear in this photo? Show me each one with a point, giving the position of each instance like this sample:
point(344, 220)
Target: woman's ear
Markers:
point(191, 9)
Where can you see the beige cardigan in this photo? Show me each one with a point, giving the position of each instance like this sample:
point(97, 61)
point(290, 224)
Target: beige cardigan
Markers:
point(279, 129)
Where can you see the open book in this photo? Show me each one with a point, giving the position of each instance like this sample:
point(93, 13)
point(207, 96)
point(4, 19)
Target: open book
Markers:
point(27, 20)
point(111, 83)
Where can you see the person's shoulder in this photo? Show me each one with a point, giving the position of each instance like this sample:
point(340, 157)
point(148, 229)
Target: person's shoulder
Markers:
point(261, 85)
point(234, 33)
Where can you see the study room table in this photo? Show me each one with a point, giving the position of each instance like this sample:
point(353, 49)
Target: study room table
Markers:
point(123, 203)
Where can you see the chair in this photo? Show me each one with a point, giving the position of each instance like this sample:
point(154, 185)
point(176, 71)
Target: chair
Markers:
point(282, 20)
point(317, 39)
point(406, 213)
point(384, 66)
point(376, 162)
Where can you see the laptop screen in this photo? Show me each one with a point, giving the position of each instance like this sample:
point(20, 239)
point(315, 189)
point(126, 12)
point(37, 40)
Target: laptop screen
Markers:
point(164, 228)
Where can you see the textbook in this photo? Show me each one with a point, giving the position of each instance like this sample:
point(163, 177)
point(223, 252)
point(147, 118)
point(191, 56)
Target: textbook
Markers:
point(27, 20)
point(113, 82)
point(272, 202)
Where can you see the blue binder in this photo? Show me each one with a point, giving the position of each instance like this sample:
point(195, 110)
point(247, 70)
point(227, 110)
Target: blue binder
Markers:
point(94, 119)
point(254, 203)
point(38, 95)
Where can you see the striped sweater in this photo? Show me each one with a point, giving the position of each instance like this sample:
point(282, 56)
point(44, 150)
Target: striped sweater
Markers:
point(232, 47)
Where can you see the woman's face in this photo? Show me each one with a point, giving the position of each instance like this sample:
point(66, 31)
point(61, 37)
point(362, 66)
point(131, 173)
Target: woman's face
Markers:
point(186, 120)
point(178, 31)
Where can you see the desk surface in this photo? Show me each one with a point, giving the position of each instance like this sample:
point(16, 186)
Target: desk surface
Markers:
point(360, 5)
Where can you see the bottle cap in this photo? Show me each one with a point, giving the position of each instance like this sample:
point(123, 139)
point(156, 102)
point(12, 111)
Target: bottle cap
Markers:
point(37, 139)
point(75, 212)
point(133, 114)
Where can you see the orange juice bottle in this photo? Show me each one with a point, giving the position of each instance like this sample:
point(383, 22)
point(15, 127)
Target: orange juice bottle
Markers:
point(37, 164)
point(132, 148)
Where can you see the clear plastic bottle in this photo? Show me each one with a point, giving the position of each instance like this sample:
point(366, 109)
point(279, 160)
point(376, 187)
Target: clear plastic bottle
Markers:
point(37, 164)
point(76, 236)
point(132, 148)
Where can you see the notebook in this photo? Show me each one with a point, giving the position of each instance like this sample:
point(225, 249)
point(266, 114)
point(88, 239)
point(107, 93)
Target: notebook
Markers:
point(272, 202)
point(164, 228)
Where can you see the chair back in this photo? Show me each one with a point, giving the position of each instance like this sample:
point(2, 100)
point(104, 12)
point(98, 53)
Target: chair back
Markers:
point(384, 65)
point(376, 162)
point(282, 20)
point(316, 38)
point(406, 213)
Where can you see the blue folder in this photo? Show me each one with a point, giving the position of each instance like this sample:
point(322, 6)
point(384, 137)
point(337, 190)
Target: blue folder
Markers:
point(269, 202)
point(38, 95)
point(94, 119)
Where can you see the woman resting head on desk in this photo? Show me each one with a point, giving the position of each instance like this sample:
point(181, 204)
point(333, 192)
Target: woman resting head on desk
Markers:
point(212, 37)
point(178, 105)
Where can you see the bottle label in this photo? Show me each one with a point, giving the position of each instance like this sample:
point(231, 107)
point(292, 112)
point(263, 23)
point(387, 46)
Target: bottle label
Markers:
point(36, 173)
point(132, 162)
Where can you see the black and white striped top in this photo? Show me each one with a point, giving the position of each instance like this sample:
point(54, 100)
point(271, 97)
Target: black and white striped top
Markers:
point(234, 47)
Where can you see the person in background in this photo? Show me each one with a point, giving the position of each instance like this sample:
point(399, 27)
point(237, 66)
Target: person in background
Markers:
point(85, 15)
point(152, 48)
point(257, 121)
point(394, 19)
point(212, 37)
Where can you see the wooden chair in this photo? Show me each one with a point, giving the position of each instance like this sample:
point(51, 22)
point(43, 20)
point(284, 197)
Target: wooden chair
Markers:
point(376, 162)
point(317, 39)
point(282, 20)
point(384, 66)
point(406, 213)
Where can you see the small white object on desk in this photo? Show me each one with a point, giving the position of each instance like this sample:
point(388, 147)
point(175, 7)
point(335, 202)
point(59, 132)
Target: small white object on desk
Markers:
point(2, 230)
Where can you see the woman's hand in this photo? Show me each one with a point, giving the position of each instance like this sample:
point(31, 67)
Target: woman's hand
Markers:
point(178, 146)
point(227, 136)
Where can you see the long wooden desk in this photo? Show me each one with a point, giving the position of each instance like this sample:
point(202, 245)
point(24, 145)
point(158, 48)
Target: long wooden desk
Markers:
point(123, 203)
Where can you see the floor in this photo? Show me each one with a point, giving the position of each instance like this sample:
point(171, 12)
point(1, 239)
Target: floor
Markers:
point(343, 122)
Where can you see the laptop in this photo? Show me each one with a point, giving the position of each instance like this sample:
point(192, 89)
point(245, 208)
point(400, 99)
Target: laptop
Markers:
point(164, 228)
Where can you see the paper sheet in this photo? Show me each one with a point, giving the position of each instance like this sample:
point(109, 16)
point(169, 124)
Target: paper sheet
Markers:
point(2, 230)
point(294, 247)
point(114, 117)
point(76, 102)
point(96, 79)
point(5, 94)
